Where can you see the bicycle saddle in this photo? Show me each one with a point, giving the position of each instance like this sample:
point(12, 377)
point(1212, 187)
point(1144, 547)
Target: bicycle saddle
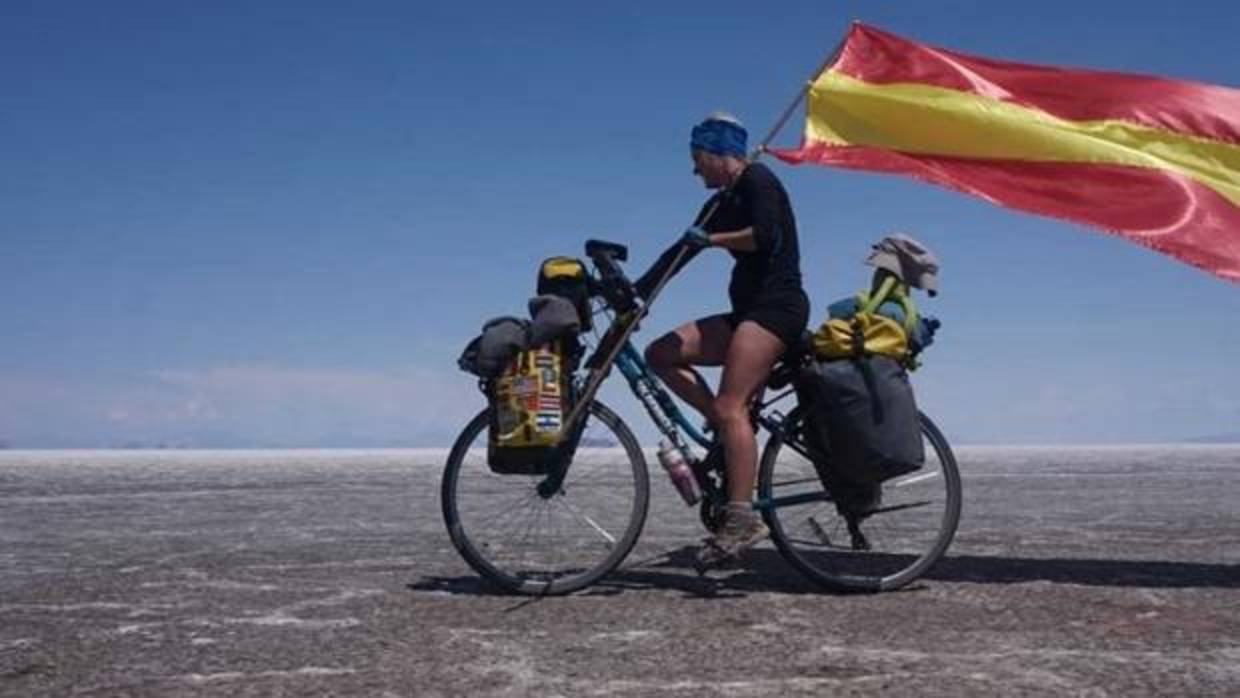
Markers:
point(793, 357)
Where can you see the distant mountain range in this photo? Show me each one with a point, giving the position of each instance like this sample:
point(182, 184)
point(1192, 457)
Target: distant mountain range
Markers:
point(1232, 438)
point(432, 440)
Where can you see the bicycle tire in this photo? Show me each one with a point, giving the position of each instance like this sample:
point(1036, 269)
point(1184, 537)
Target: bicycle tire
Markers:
point(813, 534)
point(510, 552)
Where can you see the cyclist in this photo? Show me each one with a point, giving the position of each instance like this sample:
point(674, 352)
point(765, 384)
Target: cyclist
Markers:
point(749, 216)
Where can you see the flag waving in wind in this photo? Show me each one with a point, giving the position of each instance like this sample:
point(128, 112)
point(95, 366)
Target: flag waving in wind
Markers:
point(1154, 160)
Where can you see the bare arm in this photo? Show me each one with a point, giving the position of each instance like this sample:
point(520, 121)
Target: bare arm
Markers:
point(742, 240)
point(739, 240)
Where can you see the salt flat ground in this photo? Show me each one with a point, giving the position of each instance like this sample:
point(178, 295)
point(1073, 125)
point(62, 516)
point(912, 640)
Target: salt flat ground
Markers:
point(1076, 571)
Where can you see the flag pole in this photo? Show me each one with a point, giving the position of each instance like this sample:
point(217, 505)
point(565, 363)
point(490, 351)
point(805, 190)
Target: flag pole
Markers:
point(599, 373)
point(754, 155)
point(796, 102)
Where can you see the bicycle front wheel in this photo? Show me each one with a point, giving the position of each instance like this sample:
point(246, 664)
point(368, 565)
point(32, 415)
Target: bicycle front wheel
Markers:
point(532, 538)
point(907, 526)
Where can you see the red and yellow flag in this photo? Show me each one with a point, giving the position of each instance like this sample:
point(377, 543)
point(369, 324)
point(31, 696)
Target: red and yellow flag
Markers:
point(1154, 160)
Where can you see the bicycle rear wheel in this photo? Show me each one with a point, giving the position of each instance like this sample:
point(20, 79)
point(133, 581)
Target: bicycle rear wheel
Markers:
point(885, 549)
point(530, 538)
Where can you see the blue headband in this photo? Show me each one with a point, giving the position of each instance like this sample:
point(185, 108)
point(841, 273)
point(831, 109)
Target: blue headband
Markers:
point(719, 137)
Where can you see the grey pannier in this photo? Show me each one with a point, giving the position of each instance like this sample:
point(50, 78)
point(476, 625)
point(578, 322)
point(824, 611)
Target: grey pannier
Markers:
point(861, 412)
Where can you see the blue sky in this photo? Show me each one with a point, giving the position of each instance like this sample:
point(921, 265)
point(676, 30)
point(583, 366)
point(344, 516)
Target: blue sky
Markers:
point(278, 223)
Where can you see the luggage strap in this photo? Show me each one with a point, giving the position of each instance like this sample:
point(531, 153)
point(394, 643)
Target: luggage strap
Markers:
point(860, 360)
point(890, 288)
point(869, 303)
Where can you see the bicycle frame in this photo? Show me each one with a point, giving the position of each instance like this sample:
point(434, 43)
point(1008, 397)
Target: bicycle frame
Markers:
point(617, 337)
point(667, 416)
point(616, 348)
point(801, 535)
point(670, 420)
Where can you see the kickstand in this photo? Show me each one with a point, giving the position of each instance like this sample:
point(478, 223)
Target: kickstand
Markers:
point(859, 541)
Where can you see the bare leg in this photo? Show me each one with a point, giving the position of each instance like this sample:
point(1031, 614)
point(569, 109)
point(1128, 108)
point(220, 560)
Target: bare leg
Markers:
point(750, 356)
point(701, 343)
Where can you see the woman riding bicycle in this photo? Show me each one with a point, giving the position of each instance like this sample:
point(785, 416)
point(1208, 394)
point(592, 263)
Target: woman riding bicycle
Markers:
point(751, 217)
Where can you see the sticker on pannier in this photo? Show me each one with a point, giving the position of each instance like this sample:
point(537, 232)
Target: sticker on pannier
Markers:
point(529, 401)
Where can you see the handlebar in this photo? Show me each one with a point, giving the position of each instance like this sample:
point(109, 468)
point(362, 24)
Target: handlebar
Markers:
point(612, 283)
point(610, 250)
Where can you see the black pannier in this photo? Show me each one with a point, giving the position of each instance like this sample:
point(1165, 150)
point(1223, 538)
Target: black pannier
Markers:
point(861, 412)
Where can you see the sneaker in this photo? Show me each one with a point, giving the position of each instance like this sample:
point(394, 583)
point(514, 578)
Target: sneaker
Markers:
point(739, 533)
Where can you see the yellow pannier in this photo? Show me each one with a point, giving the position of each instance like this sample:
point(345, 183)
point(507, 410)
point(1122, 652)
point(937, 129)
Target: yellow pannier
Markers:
point(529, 403)
point(837, 337)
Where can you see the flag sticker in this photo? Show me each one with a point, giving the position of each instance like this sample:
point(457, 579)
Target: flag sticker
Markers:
point(525, 386)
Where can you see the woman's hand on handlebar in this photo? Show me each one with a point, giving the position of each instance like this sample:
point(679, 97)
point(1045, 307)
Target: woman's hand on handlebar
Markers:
point(612, 285)
point(695, 238)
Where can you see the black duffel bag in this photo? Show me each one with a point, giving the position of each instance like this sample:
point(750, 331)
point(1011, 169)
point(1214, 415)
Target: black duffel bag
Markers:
point(861, 412)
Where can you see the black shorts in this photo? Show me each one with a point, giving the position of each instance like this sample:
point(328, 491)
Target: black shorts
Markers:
point(785, 316)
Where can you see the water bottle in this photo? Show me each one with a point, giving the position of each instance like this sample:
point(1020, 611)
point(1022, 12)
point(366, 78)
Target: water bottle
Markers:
point(673, 462)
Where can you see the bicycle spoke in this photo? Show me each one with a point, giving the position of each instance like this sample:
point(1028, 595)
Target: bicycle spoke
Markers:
point(818, 531)
point(798, 481)
point(867, 536)
point(512, 513)
point(527, 543)
point(611, 540)
point(898, 507)
point(914, 480)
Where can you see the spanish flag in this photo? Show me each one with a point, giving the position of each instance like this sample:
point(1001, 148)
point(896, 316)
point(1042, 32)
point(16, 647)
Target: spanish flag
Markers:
point(1154, 160)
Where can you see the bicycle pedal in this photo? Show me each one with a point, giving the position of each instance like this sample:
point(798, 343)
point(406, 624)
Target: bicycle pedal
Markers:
point(711, 557)
point(703, 567)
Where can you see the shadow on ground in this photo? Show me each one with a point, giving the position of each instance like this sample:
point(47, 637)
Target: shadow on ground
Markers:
point(767, 571)
point(1108, 573)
